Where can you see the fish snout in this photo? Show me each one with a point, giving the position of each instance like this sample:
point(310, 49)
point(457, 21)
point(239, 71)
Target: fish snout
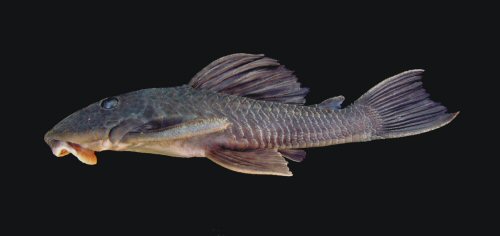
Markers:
point(62, 148)
point(55, 144)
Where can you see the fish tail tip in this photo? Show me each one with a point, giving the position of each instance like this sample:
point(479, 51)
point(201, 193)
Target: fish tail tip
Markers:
point(402, 107)
point(452, 117)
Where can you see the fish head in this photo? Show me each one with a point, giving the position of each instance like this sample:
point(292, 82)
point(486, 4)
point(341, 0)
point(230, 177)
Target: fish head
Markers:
point(99, 126)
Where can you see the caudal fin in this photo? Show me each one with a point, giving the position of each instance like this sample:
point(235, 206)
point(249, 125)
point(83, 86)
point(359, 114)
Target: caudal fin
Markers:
point(401, 107)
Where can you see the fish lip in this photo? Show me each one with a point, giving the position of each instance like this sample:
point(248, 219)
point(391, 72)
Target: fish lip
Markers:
point(63, 148)
point(55, 143)
point(60, 148)
point(57, 147)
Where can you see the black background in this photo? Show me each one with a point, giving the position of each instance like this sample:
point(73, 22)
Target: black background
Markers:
point(71, 57)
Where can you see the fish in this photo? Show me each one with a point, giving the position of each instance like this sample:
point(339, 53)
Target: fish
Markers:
point(246, 113)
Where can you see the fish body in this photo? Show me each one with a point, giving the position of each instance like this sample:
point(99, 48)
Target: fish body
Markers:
point(246, 113)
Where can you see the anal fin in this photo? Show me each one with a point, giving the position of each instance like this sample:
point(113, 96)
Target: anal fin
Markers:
point(296, 155)
point(259, 162)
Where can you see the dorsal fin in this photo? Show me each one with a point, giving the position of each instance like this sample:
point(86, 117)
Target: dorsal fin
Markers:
point(332, 103)
point(253, 76)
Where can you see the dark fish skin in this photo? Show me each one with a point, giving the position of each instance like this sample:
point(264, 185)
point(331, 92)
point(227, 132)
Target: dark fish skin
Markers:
point(246, 113)
point(259, 124)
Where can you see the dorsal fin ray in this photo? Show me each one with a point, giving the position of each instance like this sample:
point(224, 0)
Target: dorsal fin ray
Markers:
point(253, 76)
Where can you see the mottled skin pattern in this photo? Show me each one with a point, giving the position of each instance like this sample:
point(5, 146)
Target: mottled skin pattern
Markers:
point(260, 124)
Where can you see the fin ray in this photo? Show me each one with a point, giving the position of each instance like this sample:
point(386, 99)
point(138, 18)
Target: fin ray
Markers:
point(259, 162)
point(401, 107)
point(253, 76)
point(186, 129)
point(296, 155)
point(333, 103)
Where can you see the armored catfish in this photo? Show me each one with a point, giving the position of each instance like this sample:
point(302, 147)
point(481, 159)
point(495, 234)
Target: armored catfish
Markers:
point(246, 113)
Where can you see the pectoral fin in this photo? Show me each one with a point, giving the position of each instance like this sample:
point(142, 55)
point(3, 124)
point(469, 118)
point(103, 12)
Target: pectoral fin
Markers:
point(259, 162)
point(183, 130)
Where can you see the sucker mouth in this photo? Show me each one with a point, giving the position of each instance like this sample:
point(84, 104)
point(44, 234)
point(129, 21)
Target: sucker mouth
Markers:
point(62, 148)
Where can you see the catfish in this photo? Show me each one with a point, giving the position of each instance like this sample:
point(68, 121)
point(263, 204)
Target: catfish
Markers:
point(246, 113)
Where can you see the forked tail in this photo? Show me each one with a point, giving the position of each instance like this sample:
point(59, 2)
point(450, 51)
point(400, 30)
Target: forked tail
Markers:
point(401, 107)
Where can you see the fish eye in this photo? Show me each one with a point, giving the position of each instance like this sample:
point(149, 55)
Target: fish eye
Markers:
point(109, 103)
